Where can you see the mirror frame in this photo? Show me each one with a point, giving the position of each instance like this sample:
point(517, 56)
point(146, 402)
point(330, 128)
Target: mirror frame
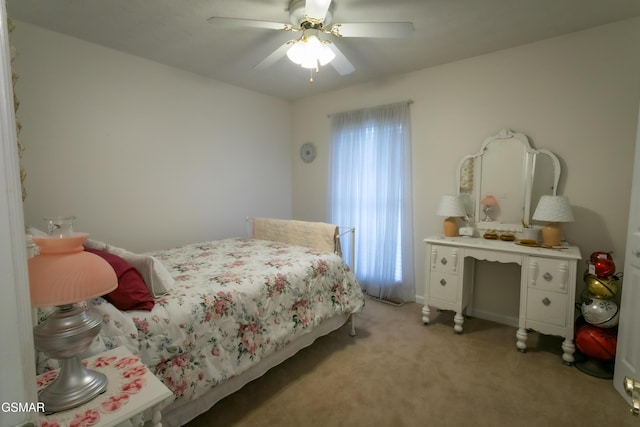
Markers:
point(528, 174)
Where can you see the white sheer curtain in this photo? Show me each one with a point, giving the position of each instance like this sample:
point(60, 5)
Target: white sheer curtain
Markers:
point(370, 189)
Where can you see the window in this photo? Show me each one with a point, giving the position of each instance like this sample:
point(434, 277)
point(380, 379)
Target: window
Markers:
point(370, 189)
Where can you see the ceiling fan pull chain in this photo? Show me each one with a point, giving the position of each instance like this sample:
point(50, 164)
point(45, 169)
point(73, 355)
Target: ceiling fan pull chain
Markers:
point(311, 73)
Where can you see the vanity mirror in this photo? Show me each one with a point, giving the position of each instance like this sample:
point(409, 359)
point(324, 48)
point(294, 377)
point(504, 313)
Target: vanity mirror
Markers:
point(509, 177)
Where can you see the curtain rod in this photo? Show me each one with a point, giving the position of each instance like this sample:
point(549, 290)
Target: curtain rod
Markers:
point(408, 101)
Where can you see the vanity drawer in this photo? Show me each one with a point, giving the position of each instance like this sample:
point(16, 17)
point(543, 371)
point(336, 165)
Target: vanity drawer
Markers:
point(444, 259)
point(443, 286)
point(548, 274)
point(547, 307)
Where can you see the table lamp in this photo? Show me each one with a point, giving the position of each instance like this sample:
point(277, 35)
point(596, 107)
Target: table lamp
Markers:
point(489, 202)
point(62, 275)
point(451, 207)
point(555, 209)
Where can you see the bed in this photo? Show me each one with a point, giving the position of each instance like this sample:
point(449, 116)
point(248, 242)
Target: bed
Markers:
point(227, 311)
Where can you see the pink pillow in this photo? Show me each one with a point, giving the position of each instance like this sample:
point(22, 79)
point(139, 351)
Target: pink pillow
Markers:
point(132, 292)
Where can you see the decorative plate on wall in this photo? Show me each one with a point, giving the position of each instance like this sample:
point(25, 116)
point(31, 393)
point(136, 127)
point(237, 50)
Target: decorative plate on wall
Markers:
point(308, 152)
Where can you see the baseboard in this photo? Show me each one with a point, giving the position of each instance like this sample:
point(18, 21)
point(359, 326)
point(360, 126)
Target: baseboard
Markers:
point(494, 317)
point(486, 315)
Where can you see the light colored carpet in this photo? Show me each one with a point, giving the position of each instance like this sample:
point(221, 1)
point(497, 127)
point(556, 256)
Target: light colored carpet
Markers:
point(399, 372)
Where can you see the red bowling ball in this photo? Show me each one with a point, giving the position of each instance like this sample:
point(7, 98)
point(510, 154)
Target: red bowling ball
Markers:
point(595, 342)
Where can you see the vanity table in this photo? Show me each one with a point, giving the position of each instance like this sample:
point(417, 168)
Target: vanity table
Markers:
point(547, 284)
point(513, 175)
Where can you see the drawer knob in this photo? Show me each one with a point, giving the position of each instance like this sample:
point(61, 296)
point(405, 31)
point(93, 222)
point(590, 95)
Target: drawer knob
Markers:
point(443, 261)
point(547, 276)
point(546, 301)
point(443, 282)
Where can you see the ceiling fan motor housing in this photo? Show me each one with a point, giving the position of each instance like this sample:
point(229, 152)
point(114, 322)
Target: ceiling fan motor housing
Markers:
point(296, 13)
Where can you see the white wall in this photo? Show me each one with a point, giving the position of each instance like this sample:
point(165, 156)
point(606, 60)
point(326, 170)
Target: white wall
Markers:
point(146, 156)
point(576, 95)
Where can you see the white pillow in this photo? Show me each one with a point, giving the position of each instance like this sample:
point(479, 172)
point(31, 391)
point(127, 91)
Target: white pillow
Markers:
point(96, 244)
point(33, 231)
point(158, 279)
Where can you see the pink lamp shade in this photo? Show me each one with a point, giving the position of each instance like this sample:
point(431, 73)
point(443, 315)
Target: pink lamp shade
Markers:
point(489, 203)
point(64, 273)
point(489, 200)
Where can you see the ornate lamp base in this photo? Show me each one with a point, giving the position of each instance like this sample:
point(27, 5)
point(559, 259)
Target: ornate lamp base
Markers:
point(74, 386)
point(66, 334)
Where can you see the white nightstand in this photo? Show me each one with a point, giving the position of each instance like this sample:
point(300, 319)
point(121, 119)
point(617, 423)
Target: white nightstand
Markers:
point(132, 389)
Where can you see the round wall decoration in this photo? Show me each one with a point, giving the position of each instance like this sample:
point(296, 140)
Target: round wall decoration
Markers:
point(308, 152)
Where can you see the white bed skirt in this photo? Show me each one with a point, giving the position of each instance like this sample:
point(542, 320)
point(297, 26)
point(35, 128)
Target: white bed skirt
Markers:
point(176, 415)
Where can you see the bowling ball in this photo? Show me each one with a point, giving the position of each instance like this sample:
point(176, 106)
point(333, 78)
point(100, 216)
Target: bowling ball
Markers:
point(602, 287)
point(599, 312)
point(597, 343)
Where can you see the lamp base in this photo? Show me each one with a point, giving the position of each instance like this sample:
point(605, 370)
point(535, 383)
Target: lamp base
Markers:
point(74, 386)
point(450, 227)
point(488, 210)
point(65, 335)
point(552, 234)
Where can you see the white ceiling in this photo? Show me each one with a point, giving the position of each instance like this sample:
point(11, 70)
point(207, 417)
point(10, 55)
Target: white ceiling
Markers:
point(176, 33)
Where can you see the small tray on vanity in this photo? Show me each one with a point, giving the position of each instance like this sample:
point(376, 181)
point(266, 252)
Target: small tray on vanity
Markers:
point(534, 244)
point(529, 243)
point(505, 237)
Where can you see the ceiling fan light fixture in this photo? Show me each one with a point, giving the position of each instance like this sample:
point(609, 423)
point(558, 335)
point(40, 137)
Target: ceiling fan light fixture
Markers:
point(310, 63)
point(309, 51)
point(326, 55)
point(313, 47)
point(296, 53)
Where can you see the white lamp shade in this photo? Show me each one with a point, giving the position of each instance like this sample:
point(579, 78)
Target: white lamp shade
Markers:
point(553, 209)
point(326, 55)
point(451, 206)
point(296, 53)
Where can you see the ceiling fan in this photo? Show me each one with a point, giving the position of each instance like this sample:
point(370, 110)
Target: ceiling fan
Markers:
point(314, 48)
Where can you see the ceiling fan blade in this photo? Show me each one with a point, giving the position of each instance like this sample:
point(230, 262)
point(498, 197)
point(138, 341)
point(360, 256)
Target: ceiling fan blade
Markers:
point(274, 56)
point(316, 9)
point(385, 30)
point(340, 62)
point(240, 22)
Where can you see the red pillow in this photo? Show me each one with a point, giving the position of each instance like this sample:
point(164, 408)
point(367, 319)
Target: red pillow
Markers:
point(132, 293)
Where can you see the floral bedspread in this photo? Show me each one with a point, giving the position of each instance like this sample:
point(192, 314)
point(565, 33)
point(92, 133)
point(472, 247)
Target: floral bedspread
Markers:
point(235, 302)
